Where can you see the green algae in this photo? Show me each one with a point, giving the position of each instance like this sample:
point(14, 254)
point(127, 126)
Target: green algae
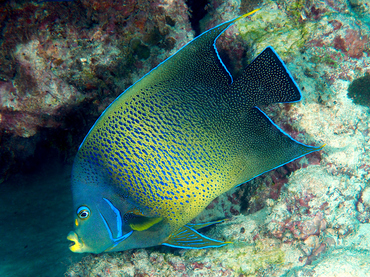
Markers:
point(284, 30)
point(325, 59)
point(295, 9)
point(359, 90)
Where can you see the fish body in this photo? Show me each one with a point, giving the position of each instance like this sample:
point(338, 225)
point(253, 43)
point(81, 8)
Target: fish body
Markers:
point(171, 143)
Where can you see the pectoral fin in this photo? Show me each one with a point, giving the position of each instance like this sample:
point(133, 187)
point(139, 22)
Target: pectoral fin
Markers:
point(144, 223)
point(138, 222)
point(187, 237)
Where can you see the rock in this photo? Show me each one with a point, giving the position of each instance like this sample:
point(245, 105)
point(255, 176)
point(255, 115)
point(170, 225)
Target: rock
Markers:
point(61, 56)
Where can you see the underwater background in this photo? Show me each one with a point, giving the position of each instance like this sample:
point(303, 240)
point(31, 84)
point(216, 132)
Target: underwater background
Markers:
point(63, 62)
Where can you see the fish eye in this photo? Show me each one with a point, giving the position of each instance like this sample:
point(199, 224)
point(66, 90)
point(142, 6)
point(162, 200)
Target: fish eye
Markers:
point(83, 212)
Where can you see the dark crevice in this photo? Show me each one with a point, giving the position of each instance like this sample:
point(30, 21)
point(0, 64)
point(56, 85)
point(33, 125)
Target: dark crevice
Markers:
point(197, 9)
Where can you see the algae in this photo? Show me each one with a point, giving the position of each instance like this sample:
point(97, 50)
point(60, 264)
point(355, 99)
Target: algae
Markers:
point(258, 257)
point(273, 27)
point(295, 9)
point(325, 59)
point(141, 50)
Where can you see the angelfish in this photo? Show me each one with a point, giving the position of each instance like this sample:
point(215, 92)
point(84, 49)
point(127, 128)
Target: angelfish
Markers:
point(179, 137)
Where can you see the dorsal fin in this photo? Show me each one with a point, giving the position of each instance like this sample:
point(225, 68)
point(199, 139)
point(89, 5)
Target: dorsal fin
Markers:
point(264, 81)
point(195, 63)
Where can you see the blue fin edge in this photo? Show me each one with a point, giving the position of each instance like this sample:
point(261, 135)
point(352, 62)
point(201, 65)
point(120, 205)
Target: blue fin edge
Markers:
point(287, 71)
point(314, 149)
point(222, 243)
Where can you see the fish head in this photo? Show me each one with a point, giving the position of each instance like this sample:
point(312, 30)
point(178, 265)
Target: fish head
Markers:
point(87, 235)
point(106, 226)
point(105, 219)
point(98, 226)
point(96, 230)
point(99, 211)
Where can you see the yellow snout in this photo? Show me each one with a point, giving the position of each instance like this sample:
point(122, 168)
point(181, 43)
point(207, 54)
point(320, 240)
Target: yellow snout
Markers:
point(78, 243)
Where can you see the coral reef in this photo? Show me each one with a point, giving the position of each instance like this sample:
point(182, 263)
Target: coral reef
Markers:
point(315, 221)
point(361, 8)
point(57, 56)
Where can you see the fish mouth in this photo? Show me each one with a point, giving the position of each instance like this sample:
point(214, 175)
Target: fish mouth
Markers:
point(76, 243)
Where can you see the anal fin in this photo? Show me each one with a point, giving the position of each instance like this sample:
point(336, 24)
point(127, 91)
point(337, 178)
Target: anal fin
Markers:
point(188, 237)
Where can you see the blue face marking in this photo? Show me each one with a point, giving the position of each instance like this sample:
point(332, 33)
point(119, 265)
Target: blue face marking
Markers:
point(119, 237)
